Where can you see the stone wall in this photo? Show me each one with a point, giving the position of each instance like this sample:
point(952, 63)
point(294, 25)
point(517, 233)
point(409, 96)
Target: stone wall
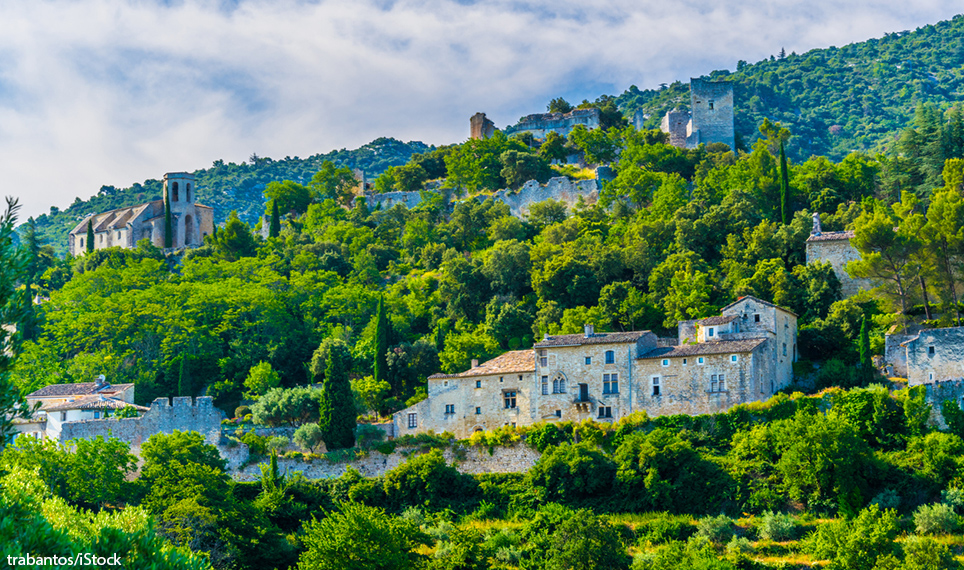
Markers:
point(480, 127)
point(838, 252)
point(895, 355)
point(559, 188)
point(163, 417)
point(516, 459)
point(935, 355)
point(562, 123)
point(711, 110)
point(938, 392)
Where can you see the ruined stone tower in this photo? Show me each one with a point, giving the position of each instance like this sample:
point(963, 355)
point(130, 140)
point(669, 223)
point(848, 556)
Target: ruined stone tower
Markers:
point(480, 127)
point(710, 119)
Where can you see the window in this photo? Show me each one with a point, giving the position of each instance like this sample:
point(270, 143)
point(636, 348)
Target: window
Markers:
point(710, 104)
point(605, 412)
point(478, 383)
point(118, 234)
point(174, 199)
point(188, 192)
point(700, 360)
point(520, 377)
point(610, 357)
point(509, 398)
point(96, 415)
point(543, 357)
point(756, 318)
point(733, 358)
point(784, 349)
point(665, 362)
point(718, 383)
point(559, 385)
point(558, 413)
point(501, 379)
point(101, 238)
point(710, 332)
point(412, 421)
point(545, 385)
point(656, 385)
point(478, 411)
point(610, 383)
point(684, 362)
point(63, 415)
point(588, 360)
point(930, 350)
point(446, 383)
point(81, 242)
point(449, 409)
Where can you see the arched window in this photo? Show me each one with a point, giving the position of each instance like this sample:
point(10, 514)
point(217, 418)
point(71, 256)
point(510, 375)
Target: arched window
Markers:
point(187, 192)
point(559, 384)
point(174, 198)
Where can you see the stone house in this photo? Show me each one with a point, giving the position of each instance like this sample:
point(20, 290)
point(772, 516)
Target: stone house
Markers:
point(742, 355)
point(61, 403)
point(835, 248)
point(124, 227)
point(929, 356)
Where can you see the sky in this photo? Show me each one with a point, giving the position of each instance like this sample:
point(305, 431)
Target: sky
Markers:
point(101, 92)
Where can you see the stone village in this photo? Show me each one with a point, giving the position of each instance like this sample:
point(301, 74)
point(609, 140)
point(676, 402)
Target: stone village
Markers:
point(745, 354)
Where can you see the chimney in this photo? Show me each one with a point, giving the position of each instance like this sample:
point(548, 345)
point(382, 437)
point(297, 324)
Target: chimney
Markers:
point(589, 330)
point(475, 363)
point(816, 224)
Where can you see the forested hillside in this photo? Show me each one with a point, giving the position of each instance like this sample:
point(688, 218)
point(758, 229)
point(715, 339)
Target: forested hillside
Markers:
point(834, 100)
point(228, 186)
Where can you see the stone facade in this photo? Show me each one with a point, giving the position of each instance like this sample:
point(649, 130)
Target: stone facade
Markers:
point(710, 119)
point(541, 124)
point(480, 127)
point(895, 353)
point(745, 354)
point(835, 248)
point(934, 355)
point(124, 227)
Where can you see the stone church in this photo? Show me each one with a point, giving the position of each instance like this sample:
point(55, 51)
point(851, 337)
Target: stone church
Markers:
point(124, 227)
point(743, 355)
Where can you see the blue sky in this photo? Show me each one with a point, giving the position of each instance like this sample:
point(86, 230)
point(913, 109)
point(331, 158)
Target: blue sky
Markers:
point(113, 92)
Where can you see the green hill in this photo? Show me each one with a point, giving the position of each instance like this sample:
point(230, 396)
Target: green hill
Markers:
point(229, 186)
point(835, 100)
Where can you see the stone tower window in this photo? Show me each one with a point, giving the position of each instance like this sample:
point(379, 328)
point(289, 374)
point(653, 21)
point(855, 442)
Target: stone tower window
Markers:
point(187, 193)
point(710, 104)
point(930, 349)
point(174, 190)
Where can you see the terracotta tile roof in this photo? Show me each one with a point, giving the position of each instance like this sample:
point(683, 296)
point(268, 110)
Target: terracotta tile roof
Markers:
point(93, 403)
point(78, 389)
point(597, 338)
point(717, 320)
point(719, 347)
point(510, 362)
point(831, 236)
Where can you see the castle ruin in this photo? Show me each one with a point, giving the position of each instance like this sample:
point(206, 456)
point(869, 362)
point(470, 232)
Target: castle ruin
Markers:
point(480, 127)
point(710, 119)
point(541, 124)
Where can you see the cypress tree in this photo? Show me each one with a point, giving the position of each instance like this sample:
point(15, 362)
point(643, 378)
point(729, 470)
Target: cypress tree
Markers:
point(784, 185)
point(275, 228)
point(381, 342)
point(863, 346)
point(90, 235)
point(168, 221)
point(184, 387)
point(336, 406)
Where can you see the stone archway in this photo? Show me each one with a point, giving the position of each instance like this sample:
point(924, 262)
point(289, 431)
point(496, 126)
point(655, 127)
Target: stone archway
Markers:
point(190, 233)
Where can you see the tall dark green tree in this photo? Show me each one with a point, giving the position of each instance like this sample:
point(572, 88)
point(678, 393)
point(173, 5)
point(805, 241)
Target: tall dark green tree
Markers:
point(12, 402)
point(275, 228)
point(784, 185)
point(382, 334)
point(90, 236)
point(336, 406)
point(863, 347)
point(184, 385)
point(168, 221)
point(31, 251)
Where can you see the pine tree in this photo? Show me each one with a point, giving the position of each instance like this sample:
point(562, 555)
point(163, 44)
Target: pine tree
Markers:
point(381, 342)
point(784, 184)
point(184, 387)
point(90, 235)
point(168, 221)
point(336, 407)
point(275, 228)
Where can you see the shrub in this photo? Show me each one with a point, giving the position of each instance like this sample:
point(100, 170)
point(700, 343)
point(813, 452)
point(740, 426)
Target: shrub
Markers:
point(924, 553)
point(716, 529)
point(887, 499)
point(739, 545)
point(665, 528)
point(367, 436)
point(544, 436)
point(308, 436)
point(938, 518)
point(241, 411)
point(777, 527)
point(257, 444)
point(573, 472)
point(953, 497)
point(277, 443)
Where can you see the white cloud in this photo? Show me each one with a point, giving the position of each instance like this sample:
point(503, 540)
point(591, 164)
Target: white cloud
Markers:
point(108, 92)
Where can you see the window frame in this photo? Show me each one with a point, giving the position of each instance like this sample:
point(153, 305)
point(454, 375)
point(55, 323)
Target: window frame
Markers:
point(655, 386)
point(510, 397)
point(610, 357)
point(412, 420)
